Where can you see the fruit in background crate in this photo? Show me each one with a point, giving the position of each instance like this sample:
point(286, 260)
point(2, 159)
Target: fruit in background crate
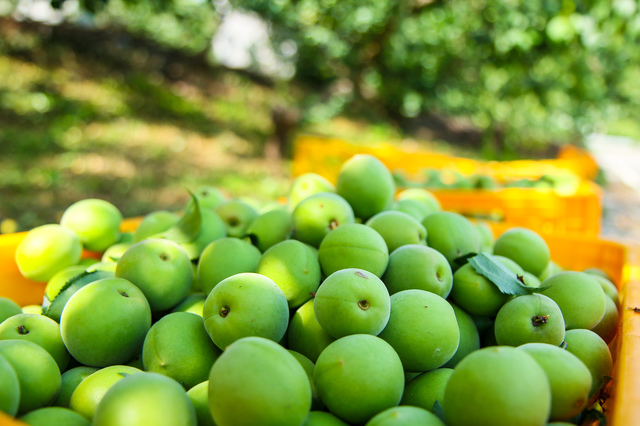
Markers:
point(146, 398)
point(594, 353)
point(423, 330)
point(238, 396)
point(529, 318)
point(353, 246)
point(37, 371)
point(10, 389)
point(243, 305)
point(524, 247)
point(608, 326)
point(569, 379)
point(316, 216)
point(352, 301)
point(398, 229)
point(366, 184)
point(424, 390)
point(48, 416)
point(516, 392)
point(8, 308)
point(359, 376)
point(46, 250)
point(418, 267)
point(305, 334)
point(224, 258)
point(88, 394)
point(610, 290)
point(307, 185)
point(237, 216)
point(160, 268)
point(451, 234)
point(178, 346)
point(155, 223)
point(70, 381)
point(96, 222)
point(40, 330)
point(295, 268)
point(580, 298)
point(270, 228)
point(92, 322)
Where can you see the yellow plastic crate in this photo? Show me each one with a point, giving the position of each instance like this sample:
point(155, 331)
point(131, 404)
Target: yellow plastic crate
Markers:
point(622, 408)
point(538, 209)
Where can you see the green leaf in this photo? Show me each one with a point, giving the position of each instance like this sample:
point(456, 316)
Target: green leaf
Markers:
point(438, 410)
point(506, 281)
point(188, 228)
point(53, 307)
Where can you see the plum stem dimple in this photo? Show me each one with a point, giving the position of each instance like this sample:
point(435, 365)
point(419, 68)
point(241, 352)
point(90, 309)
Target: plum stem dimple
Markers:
point(122, 293)
point(538, 320)
point(363, 304)
point(22, 330)
point(224, 311)
point(164, 257)
point(333, 224)
point(233, 221)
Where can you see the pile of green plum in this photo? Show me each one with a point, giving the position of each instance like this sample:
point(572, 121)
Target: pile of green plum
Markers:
point(345, 305)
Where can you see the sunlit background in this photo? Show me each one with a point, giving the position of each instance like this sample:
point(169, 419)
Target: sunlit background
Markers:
point(132, 101)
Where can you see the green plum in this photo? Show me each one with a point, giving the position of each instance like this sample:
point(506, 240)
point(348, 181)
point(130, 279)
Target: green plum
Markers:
point(424, 390)
point(398, 229)
point(510, 264)
point(224, 258)
point(241, 390)
point(89, 392)
point(322, 418)
point(569, 378)
point(145, 399)
point(270, 228)
point(580, 297)
point(212, 228)
point(469, 336)
point(608, 326)
point(114, 252)
point(609, 288)
point(352, 301)
point(155, 223)
point(451, 234)
point(486, 237)
point(498, 386)
point(10, 389)
point(40, 330)
point(37, 372)
point(160, 268)
point(295, 268)
point(54, 416)
point(209, 197)
point(405, 416)
point(305, 334)
point(418, 267)
point(422, 329)
point(594, 353)
point(199, 396)
point(307, 185)
point(316, 216)
point(551, 269)
point(46, 250)
point(96, 222)
point(237, 216)
point(413, 208)
point(525, 247)
point(92, 323)
point(307, 364)
point(8, 308)
point(193, 303)
point(70, 381)
point(476, 294)
point(597, 272)
point(366, 184)
point(353, 246)
point(178, 346)
point(533, 318)
point(242, 305)
point(531, 280)
point(426, 198)
point(359, 376)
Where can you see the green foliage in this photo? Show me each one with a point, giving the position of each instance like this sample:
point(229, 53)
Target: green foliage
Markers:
point(525, 72)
